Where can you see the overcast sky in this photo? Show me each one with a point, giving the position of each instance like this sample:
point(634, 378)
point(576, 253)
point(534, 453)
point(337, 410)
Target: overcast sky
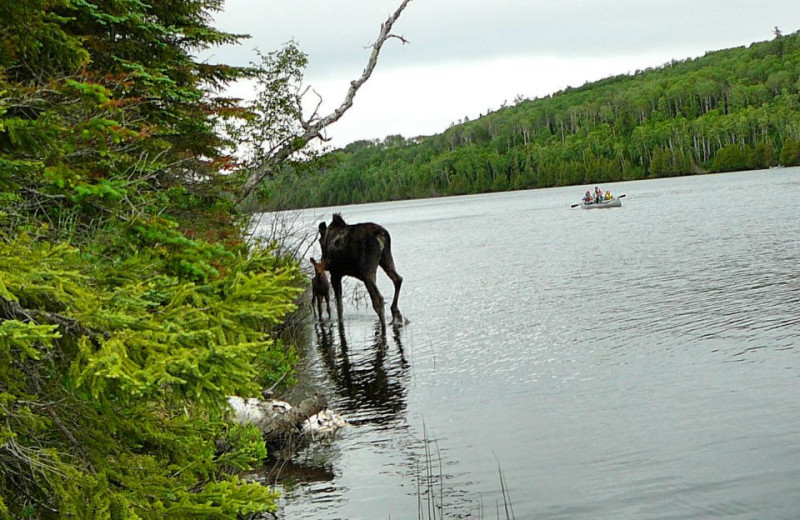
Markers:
point(465, 57)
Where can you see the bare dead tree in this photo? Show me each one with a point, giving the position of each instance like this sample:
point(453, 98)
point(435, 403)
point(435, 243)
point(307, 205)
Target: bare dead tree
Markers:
point(315, 125)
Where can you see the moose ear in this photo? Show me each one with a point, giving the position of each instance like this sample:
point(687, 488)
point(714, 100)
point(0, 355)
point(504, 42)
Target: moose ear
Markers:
point(322, 228)
point(313, 261)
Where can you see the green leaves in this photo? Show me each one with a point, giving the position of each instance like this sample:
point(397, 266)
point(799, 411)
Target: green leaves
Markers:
point(144, 358)
point(248, 448)
point(104, 190)
point(130, 307)
point(25, 340)
point(34, 39)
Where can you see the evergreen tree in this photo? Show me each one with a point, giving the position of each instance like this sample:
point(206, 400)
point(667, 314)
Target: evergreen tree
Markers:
point(130, 306)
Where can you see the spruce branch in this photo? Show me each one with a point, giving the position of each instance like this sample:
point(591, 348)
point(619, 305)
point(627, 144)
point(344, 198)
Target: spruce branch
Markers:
point(12, 310)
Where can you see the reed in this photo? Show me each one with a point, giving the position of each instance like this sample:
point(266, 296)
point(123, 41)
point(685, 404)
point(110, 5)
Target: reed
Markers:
point(430, 485)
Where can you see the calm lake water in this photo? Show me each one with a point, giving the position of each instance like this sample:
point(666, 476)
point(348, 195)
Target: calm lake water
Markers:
point(641, 362)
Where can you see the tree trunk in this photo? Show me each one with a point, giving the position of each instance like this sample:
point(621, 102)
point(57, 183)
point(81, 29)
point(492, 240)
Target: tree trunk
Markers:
point(288, 422)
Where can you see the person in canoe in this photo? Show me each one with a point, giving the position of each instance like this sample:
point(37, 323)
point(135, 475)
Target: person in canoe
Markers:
point(608, 195)
point(598, 195)
point(588, 199)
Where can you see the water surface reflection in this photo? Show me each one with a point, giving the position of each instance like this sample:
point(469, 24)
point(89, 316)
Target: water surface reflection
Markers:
point(369, 381)
point(403, 469)
point(654, 372)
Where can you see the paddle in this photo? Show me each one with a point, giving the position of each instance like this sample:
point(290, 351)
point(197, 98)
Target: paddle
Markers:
point(578, 204)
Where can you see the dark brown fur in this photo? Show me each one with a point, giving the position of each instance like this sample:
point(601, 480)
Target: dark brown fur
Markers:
point(357, 250)
point(320, 288)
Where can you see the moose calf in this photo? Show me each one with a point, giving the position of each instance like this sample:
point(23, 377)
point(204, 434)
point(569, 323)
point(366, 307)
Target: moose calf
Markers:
point(320, 288)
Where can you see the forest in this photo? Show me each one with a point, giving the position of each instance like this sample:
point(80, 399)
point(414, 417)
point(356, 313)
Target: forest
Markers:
point(728, 110)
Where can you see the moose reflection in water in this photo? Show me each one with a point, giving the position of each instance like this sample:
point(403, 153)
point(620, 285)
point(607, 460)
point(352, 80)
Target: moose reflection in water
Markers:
point(369, 376)
point(368, 384)
point(357, 250)
point(370, 379)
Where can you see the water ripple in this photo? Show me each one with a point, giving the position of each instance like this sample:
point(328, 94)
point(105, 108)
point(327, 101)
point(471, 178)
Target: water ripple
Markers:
point(631, 363)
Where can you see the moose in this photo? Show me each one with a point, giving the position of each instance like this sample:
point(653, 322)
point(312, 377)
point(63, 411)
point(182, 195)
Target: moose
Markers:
point(320, 288)
point(357, 250)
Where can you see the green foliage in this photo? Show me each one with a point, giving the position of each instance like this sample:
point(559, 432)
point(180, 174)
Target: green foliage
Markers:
point(131, 305)
point(248, 447)
point(273, 117)
point(729, 158)
point(149, 356)
point(790, 152)
point(728, 110)
point(103, 98)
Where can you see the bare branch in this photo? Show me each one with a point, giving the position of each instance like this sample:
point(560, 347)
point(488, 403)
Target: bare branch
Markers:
point(315, 114)
point(314, 127)
point(401, 38)
point(373, 61)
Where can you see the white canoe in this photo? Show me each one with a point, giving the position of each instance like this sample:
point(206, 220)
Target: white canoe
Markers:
point(616, 202)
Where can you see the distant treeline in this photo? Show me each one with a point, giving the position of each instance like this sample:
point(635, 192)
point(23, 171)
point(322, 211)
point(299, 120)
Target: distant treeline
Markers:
point(729, 110)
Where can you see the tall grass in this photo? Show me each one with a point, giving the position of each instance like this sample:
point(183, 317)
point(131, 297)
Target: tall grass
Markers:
point(430, 485)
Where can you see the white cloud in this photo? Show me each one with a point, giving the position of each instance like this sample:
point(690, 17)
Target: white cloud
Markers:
point(467, 56)
point(426, 99)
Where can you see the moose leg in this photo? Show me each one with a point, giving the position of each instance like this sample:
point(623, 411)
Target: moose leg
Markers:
point(319, 307)
point(376, 297)
point(397, 280)
point(336, 282)
point(328, 305)
point(387, 264)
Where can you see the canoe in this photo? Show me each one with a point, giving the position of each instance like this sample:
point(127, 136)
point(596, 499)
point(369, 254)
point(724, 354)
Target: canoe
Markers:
point(616, 202)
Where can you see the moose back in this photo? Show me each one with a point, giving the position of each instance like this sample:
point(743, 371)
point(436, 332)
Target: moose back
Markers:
point(357, 250)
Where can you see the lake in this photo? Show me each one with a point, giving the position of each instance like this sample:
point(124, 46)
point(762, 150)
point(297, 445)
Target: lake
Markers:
point(640, 362)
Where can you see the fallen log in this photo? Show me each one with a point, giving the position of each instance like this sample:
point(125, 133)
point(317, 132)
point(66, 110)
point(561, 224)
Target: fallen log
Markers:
point(278, 420)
